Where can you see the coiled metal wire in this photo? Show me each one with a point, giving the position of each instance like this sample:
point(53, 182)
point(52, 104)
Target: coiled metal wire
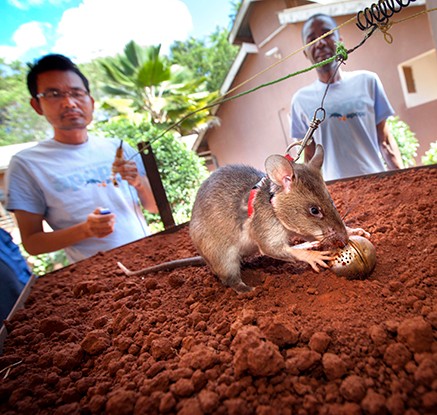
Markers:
point(379, 13)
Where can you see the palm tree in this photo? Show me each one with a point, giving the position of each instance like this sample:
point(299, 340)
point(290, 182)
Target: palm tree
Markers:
point(168, 95)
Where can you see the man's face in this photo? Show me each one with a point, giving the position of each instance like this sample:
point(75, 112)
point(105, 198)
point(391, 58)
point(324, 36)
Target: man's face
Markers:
point(66, 111)
point(324, 48)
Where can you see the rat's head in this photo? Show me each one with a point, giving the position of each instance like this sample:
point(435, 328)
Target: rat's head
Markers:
point(302, 202)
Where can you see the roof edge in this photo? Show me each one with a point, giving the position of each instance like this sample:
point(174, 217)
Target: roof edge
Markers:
point(340, 8)
point(245, 49)
point(240, 20)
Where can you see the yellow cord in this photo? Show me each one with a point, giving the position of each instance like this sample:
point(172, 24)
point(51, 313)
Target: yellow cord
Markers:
point(385, 27)
point(288, 56)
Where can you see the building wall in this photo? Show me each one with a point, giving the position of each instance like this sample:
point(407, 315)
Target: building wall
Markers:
point(256, 125)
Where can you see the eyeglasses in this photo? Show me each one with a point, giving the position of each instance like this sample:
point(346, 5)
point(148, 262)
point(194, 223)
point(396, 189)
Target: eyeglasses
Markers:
point(56, 95)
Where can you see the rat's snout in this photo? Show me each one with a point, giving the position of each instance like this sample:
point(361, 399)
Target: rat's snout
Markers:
point(334, 239)
point(341, 243)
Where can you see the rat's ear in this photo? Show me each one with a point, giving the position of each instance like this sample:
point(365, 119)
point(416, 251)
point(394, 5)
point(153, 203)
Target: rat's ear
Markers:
point(280, 171)
point(317, 160)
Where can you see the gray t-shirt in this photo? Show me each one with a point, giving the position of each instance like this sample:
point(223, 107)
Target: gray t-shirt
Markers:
point(354, 106)
point(65, 183)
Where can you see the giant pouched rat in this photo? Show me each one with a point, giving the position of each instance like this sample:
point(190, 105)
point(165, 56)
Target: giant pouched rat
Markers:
point(292, 200)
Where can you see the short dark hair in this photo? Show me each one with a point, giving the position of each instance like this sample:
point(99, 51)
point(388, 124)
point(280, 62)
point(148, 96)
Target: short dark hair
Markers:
point(51, 62)
point(318, 16)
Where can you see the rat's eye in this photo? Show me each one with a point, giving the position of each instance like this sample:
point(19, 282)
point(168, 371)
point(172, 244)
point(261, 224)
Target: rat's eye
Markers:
point(316, 211)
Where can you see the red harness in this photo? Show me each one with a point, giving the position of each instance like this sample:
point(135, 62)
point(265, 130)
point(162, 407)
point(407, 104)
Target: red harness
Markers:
point(252, 195)
point(255, 189)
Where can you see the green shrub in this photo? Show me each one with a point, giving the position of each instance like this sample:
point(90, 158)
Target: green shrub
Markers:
point(182, 170)
point(405, 139)
point(45, 263)
point(430, 156)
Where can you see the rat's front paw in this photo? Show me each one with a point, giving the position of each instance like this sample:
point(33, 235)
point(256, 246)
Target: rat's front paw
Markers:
point(357, 231)
point(316, 259)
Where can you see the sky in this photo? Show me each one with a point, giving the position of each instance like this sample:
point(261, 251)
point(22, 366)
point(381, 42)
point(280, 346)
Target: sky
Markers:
point(86, 29)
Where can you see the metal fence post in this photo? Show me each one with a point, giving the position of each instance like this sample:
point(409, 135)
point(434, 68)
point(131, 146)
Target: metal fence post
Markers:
point(158, 190)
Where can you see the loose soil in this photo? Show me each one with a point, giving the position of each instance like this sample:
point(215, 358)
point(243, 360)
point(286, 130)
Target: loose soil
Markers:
point(94, 341)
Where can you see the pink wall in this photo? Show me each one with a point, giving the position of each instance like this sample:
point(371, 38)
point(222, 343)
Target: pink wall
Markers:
point(256, 125)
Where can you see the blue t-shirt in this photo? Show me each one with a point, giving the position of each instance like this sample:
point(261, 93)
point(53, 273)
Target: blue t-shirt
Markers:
point(10, 255)
point(354, 106)
point(66, 182)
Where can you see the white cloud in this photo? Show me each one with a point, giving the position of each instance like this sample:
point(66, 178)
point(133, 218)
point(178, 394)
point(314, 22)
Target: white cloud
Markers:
point(28, 36)
point(22, 5)
point(100, 28)
point(27, 4)
point(104, 27)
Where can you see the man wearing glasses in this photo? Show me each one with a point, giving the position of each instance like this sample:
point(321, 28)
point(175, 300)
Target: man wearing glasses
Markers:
point(68, 180)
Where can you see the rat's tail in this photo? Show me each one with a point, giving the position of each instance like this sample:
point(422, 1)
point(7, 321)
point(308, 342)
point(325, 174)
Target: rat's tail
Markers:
point(177, 263)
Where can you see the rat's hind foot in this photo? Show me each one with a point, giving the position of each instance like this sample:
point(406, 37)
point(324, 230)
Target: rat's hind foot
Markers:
point(241, 288)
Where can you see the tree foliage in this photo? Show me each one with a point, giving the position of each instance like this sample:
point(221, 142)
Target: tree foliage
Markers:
point(19, 123)
point(405, 138)
point(153, 90)
point(209, 58)
point(235, 7)
point(45, 263)
point(164, 93)
point(181, 170)
point(96, 76)
point(430, 156)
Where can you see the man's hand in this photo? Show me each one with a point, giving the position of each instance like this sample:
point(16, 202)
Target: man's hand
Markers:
point(99, 225)
point(37, 241)
point(128, 171)
point(388, 147)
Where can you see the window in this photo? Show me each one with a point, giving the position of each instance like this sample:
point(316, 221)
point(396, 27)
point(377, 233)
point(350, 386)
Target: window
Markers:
point(418, 79)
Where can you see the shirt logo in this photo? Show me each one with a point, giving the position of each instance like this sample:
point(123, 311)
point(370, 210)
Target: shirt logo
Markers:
point(100, 176)
point(344, 117)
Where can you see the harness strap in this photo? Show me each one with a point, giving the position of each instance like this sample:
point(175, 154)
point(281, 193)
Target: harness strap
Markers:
point(255, 189)
point(252, 195)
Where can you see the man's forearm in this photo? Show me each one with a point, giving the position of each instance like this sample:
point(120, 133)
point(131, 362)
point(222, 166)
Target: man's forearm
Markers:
point(392, 161)
point(389, 147)
point(392, 155)
point(146, 197)
point(44, 242)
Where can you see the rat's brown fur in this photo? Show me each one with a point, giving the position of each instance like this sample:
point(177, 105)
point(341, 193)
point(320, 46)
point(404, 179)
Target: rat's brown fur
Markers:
point(293, 201)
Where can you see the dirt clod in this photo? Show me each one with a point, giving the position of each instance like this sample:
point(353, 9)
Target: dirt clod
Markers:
point(94, 341)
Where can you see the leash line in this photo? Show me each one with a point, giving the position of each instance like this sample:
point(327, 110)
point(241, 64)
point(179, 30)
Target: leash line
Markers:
point(341, 54)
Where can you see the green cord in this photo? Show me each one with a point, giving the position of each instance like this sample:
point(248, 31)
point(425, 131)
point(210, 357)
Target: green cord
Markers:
point(341, 51)
point(340, 54)
point(278, 80)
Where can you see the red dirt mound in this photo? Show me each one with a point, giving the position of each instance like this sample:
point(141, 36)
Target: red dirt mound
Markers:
point(94, 341)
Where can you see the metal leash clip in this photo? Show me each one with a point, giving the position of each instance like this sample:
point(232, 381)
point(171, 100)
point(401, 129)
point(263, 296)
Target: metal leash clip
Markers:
point(314, 124)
